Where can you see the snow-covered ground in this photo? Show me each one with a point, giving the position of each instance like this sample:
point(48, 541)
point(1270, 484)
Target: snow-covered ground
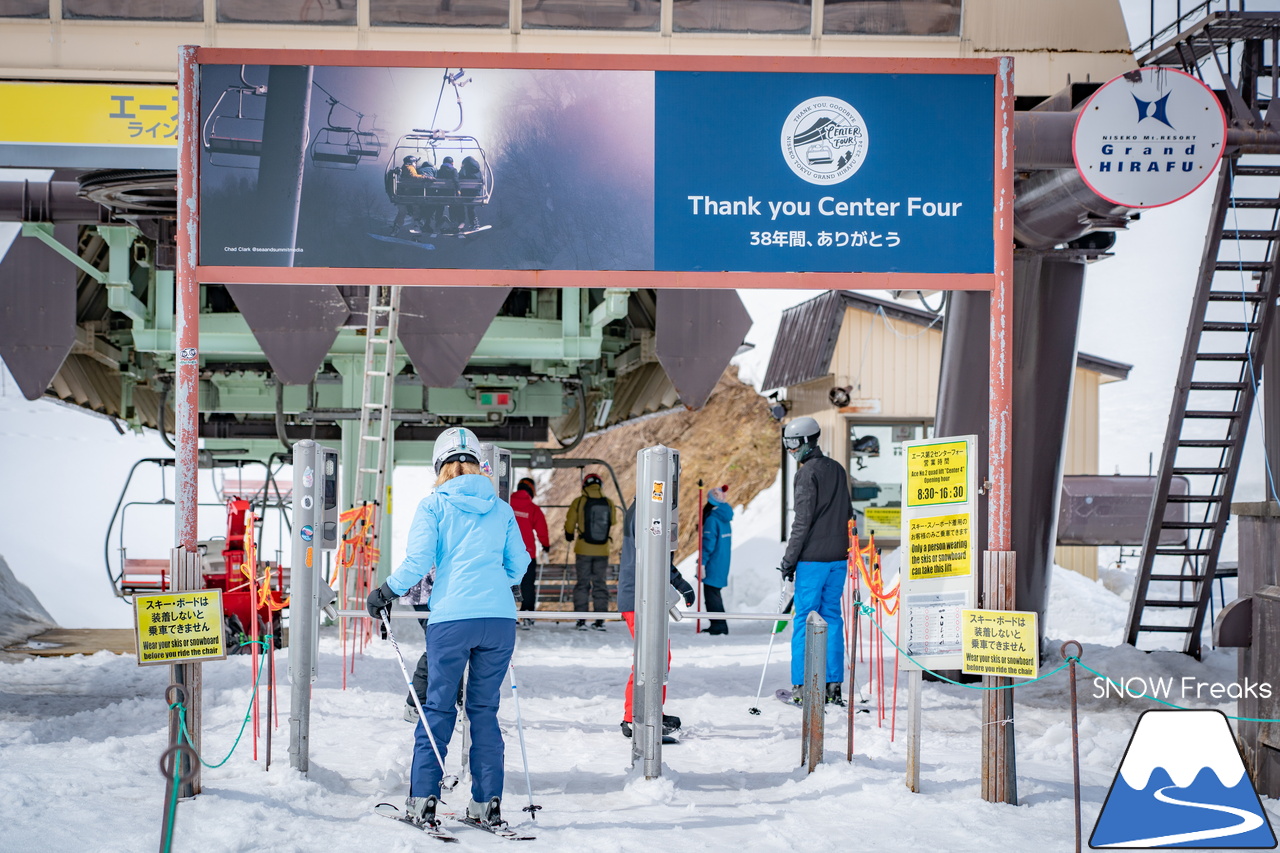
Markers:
point(80, 738)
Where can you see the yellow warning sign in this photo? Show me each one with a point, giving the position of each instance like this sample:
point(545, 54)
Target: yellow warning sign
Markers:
point(939, 546)
point(1000, 642)
point(88, 114)
point(883, 520)
point(172, 627)
point(937, 473)
point(659, 489)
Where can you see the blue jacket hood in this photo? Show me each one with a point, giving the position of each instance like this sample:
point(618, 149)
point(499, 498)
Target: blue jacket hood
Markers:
point(469, 493)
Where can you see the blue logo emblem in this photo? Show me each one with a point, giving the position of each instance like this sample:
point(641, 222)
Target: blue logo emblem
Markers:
point(1182, 783)
point(308, 533)
point(1157, 109)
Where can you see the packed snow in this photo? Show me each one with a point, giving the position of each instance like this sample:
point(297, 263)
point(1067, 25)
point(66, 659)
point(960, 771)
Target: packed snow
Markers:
point(80, 738)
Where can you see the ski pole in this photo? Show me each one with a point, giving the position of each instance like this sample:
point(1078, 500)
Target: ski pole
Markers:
point(447, 783)
point(782, 608)
point(524, 755)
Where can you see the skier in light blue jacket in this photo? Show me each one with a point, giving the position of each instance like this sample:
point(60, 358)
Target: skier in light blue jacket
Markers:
point(472, 539)
point(717, 548)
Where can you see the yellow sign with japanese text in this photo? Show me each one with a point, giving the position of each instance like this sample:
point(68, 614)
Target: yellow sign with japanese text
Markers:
point(937, 473)
point(883, 520)
point(939, 546)
point(1000, 642)
point(173, 627)
point(88, 114)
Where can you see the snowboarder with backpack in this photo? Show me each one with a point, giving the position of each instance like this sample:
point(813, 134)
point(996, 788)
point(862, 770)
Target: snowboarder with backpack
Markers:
point(590, 521)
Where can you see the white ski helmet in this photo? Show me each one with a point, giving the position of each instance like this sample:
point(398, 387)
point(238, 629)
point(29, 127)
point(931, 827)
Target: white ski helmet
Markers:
point(799, 433)
point(456, 444)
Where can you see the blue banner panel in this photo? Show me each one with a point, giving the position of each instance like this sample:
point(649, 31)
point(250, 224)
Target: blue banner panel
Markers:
point(799, 172)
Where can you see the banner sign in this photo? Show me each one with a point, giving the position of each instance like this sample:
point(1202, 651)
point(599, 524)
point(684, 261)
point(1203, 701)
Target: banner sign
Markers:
point(88, 125)
point(172, 627)
point(596, 167)
point(938, 548)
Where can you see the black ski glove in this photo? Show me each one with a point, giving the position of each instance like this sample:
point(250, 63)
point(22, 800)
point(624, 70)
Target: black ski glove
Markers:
point(689, 598)
point(568, 537)
point(380, 601)
point(788, 572)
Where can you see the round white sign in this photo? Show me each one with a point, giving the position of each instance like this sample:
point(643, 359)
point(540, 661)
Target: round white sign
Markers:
point(824, 140)
point(1149, 137)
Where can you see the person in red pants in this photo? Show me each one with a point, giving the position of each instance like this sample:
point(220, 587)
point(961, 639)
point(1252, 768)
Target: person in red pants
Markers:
point(627, 607)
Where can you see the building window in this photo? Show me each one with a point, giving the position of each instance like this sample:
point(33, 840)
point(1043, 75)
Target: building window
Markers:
point(287, 12)
point(875, 468)
point(439, 13)
point(24, 8)
point(591, 14)
point(741, 16)
point(891, 17)
point(135, 10)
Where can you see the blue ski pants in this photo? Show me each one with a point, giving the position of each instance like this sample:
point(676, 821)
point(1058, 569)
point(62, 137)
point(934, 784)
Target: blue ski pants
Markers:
point(481, 647)
point(818, 587)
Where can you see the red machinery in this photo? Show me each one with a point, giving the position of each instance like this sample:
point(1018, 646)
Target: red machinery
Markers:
point(251, 588)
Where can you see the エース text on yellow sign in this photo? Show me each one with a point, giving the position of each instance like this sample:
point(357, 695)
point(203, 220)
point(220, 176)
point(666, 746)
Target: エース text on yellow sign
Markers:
point(88, 114)
point(937, 473)
point(1000, 642)
point(174, 627)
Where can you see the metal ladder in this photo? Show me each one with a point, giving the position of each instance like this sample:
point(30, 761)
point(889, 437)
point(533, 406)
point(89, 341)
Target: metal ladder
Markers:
point(1231, 314)
point(376, 397)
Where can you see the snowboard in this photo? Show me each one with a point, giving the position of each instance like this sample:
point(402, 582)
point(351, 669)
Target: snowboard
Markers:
point(463, 232)
point(403, 242)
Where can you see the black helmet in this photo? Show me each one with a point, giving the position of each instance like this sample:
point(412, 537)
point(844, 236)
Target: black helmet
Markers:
point(526, 484)
point(447, 160)
point(591, 480)
point(409, 158)
point(800, 434)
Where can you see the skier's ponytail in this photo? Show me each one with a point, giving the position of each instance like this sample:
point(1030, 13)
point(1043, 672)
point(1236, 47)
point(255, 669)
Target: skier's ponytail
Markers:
point(449, 470)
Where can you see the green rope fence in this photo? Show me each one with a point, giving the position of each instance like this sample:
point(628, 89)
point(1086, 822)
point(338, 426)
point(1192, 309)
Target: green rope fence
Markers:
point(868, 611)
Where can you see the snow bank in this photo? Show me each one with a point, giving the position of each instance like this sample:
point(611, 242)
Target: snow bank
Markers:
point(21, 614)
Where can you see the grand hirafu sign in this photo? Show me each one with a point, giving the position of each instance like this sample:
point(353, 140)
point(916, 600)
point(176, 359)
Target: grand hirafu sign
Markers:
point(1149, 137)
point(646, 165)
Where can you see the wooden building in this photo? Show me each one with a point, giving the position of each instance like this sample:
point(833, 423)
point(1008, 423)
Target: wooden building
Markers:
point(867, 368)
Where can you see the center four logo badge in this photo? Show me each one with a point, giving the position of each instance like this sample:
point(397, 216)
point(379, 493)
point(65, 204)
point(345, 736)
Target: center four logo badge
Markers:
point(824, 140)
point(1182, 784)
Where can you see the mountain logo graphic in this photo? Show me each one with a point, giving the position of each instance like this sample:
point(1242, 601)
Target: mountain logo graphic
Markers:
point(1182, 783)
point(824, 140)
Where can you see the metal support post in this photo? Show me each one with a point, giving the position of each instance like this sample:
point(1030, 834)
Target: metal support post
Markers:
point(187, 367)
point(184, 570)
point(812, 729)
point(315, 530)
point(915, 679)
point(657, 485)
point(999, 770)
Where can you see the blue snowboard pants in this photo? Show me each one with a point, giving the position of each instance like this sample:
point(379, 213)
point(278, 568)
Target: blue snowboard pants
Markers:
point(818, 587)
point(483, 647)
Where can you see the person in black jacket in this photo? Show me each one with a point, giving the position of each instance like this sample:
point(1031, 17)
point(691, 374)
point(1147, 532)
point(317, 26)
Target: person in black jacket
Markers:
point(818, 549)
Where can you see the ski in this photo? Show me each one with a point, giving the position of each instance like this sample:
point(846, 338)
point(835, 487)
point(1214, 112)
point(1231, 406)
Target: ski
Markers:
point(393, 812)
point(504, 831)
point(785, 696)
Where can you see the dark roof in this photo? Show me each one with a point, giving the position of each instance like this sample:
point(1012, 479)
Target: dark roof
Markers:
point(807, 335)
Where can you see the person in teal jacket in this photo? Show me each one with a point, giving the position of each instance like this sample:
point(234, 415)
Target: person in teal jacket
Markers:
point(472, 539)
point(717, 544)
